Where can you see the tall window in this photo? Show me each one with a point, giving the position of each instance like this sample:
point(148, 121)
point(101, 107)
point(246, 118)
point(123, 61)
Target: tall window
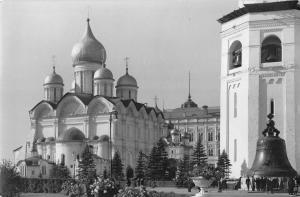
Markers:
point(62, 159)
point(271, 50)
point(235, 150)
point(105, 89)
point(235, 55)
point(210, 152)
point(129, 94)
point(43, 170)
point(272, 107)
point(235, 105)
point(210, 136)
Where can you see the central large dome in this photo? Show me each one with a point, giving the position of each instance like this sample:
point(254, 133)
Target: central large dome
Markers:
point(88, 49)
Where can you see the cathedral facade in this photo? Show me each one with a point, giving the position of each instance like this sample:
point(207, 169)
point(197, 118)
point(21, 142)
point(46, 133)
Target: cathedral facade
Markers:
point(63, 124)
point(260, 75)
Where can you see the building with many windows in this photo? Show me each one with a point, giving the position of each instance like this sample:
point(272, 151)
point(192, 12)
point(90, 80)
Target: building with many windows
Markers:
point(189, 123)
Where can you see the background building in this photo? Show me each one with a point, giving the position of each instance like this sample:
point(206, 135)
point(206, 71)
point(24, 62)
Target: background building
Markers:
point(260, 75)
point(190, 121)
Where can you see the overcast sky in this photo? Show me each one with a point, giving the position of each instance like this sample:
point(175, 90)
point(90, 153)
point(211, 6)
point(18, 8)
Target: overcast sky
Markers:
point(164, 40)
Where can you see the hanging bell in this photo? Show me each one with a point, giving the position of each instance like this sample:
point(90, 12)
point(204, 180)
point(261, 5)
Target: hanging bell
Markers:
point(271, 159)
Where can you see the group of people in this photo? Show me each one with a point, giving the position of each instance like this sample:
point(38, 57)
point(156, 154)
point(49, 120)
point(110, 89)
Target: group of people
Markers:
point(267, 184)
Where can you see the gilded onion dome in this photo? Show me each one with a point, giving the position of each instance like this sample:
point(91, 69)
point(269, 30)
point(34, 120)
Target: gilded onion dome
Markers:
point(88, 49)
point(53, 78)
point(103, 73)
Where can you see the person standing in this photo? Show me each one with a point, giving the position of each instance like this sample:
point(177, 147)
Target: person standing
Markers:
point(248, 183)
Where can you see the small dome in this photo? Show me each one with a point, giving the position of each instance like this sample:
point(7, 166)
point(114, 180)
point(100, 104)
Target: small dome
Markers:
point(104, 138)
point(40, 140)
point(88, 49)
point(72, 134)
point(175, 132)
point(53, 78)
point(189, 103)
point(50, 139)
point(127, 80)
point(186, 135)
point(103, 73)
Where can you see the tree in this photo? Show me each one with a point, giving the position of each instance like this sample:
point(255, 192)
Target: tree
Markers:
point(162, 158)
point(59, 172)
point(140, 166)
point(86, 169)
point(183, 170)
point(105, 173)
point(224, 164)
point(9, 179)
point(199, 157)
point(154, 165)
point(117, 167)
point(129, 172)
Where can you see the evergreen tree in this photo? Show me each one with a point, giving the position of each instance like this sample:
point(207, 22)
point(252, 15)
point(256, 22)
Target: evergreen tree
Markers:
point(162, 159)
point(59, 172)
point(10, 180)
point(129, 172)
point(187, 164)
point(140, 166)
point(154, 166)
point(181, 175)
point(224, 164)
point(86, 169)
point(105, 173)
point(117, 167)
point(199, 157)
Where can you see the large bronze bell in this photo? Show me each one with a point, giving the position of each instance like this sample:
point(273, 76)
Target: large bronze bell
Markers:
point(271, 159)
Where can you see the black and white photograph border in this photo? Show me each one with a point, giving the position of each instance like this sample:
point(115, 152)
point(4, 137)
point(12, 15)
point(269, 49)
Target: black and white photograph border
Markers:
point(149, 97)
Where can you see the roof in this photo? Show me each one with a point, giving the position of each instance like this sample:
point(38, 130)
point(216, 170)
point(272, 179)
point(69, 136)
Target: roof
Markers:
point(181, 113)
point(260, 7)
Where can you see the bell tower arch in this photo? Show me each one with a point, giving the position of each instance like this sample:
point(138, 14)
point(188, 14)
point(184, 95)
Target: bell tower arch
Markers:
point(260, 74)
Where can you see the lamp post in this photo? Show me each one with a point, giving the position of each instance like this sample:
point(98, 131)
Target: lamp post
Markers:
point(74, 159)
point(114, 112)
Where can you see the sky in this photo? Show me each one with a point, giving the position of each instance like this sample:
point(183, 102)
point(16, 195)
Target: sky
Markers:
point(164, 39)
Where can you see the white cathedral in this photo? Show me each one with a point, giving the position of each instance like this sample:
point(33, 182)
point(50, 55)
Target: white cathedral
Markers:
point(63, 124)
point(260, 74)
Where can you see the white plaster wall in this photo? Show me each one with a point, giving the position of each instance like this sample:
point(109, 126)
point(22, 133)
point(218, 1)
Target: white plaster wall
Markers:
point(68, 148)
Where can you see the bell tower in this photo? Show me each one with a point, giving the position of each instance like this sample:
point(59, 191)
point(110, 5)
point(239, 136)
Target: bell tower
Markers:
point(260, 75)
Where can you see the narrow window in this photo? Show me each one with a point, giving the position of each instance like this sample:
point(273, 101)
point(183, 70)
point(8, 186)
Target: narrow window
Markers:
point(55, 95)
point(105, 89)
point(62, 159)
point(235, 150)
point(235, 104)
point(235, 55)
point(272, 109)
point(129, 94)
point(81, 82)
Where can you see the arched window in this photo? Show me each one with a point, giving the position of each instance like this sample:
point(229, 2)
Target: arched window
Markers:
point(235, 55)
point(271, 50)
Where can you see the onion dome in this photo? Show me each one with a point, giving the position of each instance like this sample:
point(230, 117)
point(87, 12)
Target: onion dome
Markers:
point(104, 138)
point(40, 140)
point(175, 132)
point(127, 80)
point(88, 49)
point(53, 78)
point(50, 139)
point(103, 73)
